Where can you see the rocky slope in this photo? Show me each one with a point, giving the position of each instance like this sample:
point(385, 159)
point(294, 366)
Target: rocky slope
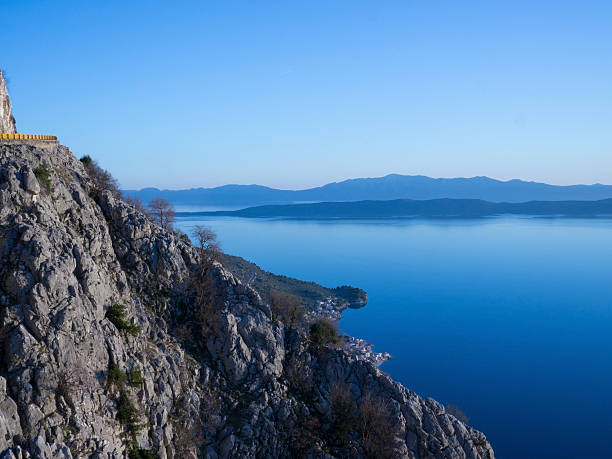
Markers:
point(7, 122)
point(229, 383)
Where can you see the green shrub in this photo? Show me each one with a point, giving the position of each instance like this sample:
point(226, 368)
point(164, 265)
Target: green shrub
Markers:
point(117, 315)
point(135, 377)
point(184, 237)
point(139, 453)
point(323, 332)
point(133, 330)
point(43, 175)
point(127, 413)
point(479, 441)
point(86, 160)
point(115, 377)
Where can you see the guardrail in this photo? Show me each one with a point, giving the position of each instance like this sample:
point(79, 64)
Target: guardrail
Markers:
point(27, 137)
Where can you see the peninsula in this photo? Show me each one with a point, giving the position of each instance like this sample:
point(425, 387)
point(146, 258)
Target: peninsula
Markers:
point(433, 208)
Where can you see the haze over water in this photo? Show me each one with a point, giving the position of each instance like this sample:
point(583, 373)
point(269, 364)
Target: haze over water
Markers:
point(507, 318)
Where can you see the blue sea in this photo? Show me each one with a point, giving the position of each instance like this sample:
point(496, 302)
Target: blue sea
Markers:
point(509, 319)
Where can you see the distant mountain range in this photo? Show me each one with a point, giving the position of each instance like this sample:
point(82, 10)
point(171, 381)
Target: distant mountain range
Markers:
point(385, 188)
point(434, 208)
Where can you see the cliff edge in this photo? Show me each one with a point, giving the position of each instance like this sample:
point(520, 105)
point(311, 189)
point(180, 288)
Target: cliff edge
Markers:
point(116, 342)
point(7, 121)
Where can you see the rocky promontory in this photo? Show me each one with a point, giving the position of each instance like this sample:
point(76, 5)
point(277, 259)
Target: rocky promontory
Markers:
point(119, 339)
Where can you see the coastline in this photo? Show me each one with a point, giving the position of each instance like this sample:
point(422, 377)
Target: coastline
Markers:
point(358, 348)
point(319, 301)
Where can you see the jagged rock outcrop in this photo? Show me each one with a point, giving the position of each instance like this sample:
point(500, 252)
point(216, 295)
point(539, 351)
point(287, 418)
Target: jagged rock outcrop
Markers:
point(7, 121)
point(232, 384)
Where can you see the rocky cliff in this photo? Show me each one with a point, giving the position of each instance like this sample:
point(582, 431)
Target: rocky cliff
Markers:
point(107, 349)
point(7, 122)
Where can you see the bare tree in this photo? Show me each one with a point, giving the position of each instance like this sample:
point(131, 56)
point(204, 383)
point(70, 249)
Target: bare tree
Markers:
point(206, 240)
point(136, 202)
point(163, 212)
point(188, 433)
point(457, 412)
point(286, 308)
point(203, 282)
point(298, 374)
point(343, 410)
point(101, 178)
point(376, 425)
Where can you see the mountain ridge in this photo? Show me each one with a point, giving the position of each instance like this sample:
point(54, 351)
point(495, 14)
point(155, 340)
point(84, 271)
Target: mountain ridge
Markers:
point(388, 187)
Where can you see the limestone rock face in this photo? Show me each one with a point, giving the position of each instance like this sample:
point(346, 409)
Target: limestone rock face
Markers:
point(232, 383)
point(7, 122)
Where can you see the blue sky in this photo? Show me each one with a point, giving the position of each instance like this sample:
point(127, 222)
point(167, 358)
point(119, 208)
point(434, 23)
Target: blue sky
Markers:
point(297, 94)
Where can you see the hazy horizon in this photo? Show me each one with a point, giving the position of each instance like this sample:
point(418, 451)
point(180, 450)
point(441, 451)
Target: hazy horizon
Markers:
point(297, 95)
point(354, 178)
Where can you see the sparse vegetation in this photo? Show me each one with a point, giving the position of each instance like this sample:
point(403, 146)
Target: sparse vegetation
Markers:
point(206, 240)
point(480, 442)
point(287, 308)
point(43, 175)
point(310, 292)
point(188, 432)
point(137, 203)
point(135, 377)
point(66, 177)
point(457, 412)
point(184, 333)
point(304, 435)
point(324, 331)
point(298, 374)
point(343, 411)
point(127, 413)
point(115, 378)
point(64, 387)
point(139, 453)
point(202, 280)
point(376, 427)
point(188, 437)
point(162, 211)
point(102, 179)
point(117, 314)
point(68, 379)
point(182, 236)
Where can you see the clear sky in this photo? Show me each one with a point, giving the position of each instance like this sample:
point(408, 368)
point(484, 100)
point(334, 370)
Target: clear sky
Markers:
point(296, 94)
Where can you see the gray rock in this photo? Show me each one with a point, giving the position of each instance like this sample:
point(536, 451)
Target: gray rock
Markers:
point(66, 258)
point(7, 122)
point(31, 183)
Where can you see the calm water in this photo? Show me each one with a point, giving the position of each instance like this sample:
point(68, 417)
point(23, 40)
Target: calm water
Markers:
point(509, 319)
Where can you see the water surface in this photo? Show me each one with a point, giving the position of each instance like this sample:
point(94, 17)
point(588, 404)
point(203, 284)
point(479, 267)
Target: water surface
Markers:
point(510, 319)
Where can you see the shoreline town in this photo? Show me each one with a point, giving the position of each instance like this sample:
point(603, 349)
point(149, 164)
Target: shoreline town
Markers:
point(359, 348)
